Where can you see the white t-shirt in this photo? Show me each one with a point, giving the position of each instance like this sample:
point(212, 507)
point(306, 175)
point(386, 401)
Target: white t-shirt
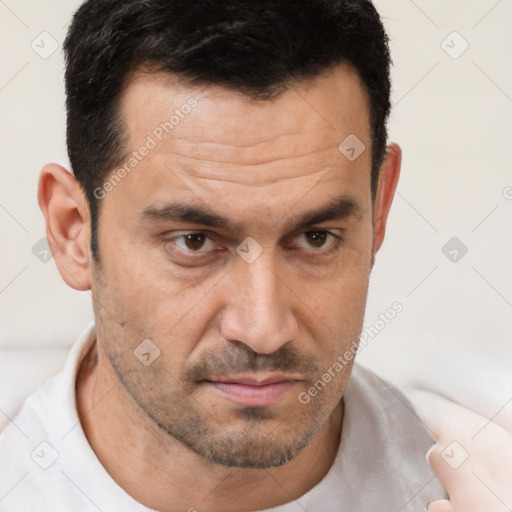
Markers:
point(47, 464)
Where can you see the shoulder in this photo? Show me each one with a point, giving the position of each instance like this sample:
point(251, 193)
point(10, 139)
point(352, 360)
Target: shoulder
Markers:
point(385, 438)
point(27, 448)
point(375, 393)
point(35, 444)
point(385, 413)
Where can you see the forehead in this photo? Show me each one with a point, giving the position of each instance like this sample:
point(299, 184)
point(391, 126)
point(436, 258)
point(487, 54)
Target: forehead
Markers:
point(222, 139)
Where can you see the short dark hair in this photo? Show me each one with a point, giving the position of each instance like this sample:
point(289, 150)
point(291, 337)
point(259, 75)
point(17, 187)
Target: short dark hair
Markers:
point(256, 47)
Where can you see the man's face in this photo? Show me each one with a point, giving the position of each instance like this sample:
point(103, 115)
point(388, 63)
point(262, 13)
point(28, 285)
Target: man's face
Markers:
point(243, 329)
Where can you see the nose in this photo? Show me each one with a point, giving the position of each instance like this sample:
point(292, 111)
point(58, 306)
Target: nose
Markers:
point(259, 310)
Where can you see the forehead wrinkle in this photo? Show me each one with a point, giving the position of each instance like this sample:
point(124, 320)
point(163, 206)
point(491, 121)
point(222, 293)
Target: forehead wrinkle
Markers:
point(197, 156)
point(261, 184)
point(199, 170)
point(270, 140)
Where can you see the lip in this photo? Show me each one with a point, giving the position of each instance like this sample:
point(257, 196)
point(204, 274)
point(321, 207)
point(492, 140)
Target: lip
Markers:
point(254, 391)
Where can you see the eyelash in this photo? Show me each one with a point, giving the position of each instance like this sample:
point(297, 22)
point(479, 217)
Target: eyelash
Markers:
point(314, 253)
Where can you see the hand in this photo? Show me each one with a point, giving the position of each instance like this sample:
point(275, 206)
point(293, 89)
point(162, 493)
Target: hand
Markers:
point(472, 457)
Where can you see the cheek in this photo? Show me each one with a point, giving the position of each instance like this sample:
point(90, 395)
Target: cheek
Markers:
point(339, 307)
point(156, 305)
point(141, 283)
point(339, 298)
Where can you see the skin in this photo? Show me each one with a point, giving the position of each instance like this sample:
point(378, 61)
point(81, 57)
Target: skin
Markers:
point(170, 439)
point(482, 480)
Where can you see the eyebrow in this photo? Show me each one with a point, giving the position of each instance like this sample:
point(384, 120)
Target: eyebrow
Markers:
point(340, 208)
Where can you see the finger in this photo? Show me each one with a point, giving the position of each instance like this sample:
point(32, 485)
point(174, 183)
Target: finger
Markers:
point(440, 506)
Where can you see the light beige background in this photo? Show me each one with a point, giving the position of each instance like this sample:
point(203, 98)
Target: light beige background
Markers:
point(452, 117)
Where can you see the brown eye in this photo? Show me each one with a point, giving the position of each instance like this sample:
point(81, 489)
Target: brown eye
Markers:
point(316, 238)
point(318, 242)
point(191, 242)
point(194, 241)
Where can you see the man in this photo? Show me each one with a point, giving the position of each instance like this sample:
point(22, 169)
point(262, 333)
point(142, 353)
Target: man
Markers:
point(231, 185)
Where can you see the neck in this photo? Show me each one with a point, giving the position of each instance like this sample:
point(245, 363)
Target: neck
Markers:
point(162, 474)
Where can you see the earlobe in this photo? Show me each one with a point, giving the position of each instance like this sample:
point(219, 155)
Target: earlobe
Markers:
point(66, 213)
point(388, 180)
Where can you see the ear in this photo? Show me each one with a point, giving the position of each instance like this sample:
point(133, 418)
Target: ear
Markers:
point(388, 179)
point(66, 213)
